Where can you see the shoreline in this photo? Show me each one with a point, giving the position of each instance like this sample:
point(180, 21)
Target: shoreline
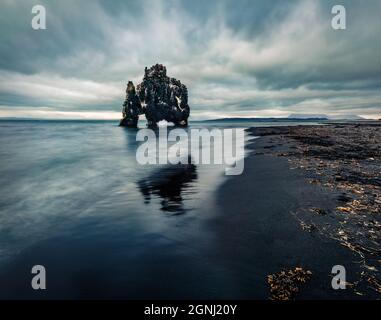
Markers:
point(180, 238)
point(282, 217)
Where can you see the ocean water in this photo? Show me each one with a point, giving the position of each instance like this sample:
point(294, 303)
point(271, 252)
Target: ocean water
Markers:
point(74, 199)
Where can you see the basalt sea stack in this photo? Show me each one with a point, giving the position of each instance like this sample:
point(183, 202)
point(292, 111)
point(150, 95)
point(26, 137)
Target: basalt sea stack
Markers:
point(158, 97)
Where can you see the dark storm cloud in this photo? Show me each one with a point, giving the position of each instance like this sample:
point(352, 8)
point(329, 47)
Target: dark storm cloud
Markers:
point(246, 58)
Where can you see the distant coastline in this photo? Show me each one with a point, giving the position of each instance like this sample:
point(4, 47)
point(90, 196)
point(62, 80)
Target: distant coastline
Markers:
point(206, 120)
point(266, 119)
point(232, 121)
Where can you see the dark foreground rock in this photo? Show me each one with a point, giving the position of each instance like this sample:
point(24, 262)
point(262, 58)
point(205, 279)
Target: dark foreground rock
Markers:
point(346, 160)
point(158, 97)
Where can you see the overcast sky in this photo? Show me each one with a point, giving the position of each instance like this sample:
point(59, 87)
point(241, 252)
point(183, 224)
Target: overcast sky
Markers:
point(237, 58)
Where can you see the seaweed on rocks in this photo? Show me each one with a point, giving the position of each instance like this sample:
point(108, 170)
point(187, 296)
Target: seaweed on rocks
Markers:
point(285, 285)
point(345, 159)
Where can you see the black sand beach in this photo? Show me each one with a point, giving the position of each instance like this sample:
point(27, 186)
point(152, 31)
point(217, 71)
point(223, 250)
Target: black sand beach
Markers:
point(283, 215)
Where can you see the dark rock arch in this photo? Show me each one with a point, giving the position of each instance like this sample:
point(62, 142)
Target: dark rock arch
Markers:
point(158, 97)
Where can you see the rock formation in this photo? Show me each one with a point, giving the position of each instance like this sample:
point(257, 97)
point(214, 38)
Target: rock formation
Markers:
point(131, 107)
point(158, 97)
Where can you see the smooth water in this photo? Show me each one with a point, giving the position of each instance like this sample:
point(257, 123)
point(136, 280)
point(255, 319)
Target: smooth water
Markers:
point(74, 199)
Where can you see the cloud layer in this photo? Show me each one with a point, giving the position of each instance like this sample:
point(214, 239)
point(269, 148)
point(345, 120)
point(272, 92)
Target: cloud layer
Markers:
point(238, 58)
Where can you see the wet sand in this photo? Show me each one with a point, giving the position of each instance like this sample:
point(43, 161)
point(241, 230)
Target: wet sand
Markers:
point(265, 214)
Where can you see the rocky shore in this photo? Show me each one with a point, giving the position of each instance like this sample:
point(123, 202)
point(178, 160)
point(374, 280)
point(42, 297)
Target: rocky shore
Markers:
point(345, 161)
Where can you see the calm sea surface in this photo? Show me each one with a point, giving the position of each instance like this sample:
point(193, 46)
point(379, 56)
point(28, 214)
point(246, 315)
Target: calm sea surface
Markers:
point(74, 199)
